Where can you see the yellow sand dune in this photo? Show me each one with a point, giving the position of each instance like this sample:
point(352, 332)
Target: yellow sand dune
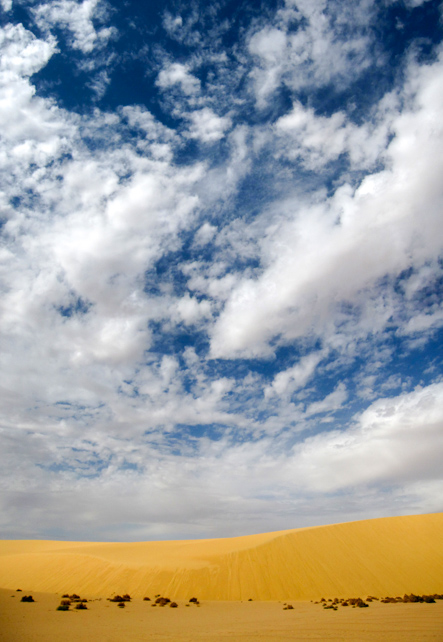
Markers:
point(388, 556)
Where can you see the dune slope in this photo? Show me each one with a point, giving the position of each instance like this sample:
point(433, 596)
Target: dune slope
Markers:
point(388, 556)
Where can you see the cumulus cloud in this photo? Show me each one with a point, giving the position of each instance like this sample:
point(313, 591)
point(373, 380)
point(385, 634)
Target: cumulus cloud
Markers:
point(77, 19)
point(331, 251)
point(317, 140)
point(178, 74)
point(395, 441)
point(207, 126)
point(314, 53)
point(287, 381)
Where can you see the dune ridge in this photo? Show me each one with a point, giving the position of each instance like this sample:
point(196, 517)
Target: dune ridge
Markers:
point(386, 556)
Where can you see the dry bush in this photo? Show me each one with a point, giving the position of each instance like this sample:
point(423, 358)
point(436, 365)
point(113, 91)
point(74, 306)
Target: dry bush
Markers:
point(173, 605)
point(81, 606)
point(120, 598)
point(194, 599)
point(162, 601)
point(146, 599)
point(121, 605)
point(63, 607)
point(27, 598)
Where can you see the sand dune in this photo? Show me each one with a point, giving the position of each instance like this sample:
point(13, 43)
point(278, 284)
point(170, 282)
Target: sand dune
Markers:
point(388, 556)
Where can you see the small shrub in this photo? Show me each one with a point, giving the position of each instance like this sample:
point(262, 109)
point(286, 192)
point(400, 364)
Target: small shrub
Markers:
point(121, 605)
point(193, 599)
point(162, 601)
point(173, 605)
point(65, 602)
point(288, 607)
point(146, 599)
point(63, 607)
point(81, 606)
point(27, 598)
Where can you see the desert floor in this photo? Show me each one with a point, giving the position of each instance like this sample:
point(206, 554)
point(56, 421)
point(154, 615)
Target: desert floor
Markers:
point(213, 620)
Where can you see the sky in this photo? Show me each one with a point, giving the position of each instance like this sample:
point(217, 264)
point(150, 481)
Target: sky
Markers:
point(221, 269)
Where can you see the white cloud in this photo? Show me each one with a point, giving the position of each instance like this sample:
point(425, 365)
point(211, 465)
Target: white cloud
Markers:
point(77, 18)
point(395, 441)
point(333, 401)
point(207, 126)
point(312, 54)
point(205, 234)
point(396, 444)
point(318, 140)
point(178, 74)
point(287, 381)
point(330, 251)
point(22, 53)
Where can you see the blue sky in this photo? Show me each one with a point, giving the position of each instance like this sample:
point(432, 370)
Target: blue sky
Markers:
point(221, 265)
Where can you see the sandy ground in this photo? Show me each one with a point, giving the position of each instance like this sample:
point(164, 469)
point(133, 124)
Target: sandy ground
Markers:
point(381, 557)
point(389, 556)
point(214, 621)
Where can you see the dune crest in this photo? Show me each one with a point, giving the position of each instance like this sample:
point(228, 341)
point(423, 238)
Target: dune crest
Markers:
point(387, 556)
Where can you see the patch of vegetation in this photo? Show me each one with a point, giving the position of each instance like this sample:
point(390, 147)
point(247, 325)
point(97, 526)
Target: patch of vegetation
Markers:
point(162, 601)
point(120, 598)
